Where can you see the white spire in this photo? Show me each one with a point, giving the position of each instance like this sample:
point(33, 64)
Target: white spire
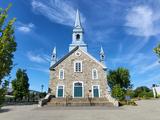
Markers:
point(53, 57)
point(102, 55)
point(102, 51)
point(54, 50)
point(77, 21)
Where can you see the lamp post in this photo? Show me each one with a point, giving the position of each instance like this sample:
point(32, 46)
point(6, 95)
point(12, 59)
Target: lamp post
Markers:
point(42, 86)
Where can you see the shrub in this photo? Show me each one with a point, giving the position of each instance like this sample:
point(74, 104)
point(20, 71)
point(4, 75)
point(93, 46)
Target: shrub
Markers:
point(146, 95)
point(131, 102)
point(42, 94)
point(118, 92)
point(143, 92)
point(2, 96)
point(130, 93)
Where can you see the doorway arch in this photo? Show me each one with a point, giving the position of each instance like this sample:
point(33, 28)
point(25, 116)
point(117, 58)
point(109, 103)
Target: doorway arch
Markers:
point(78, 89)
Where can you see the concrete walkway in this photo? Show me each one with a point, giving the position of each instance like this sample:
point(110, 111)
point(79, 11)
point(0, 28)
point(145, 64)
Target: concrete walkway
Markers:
point(146, 110)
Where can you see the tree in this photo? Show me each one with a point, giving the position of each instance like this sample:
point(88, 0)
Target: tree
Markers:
point(20, 85)
point(120, 77)
point(118, 92)
point(157, 50)
point(143, 92)
point(7, 43)
point(130, 92)
point(7, 48)
point(3, 91)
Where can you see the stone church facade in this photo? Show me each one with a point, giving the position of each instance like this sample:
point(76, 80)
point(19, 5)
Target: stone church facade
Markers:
point(91, 75)
point(78, 74)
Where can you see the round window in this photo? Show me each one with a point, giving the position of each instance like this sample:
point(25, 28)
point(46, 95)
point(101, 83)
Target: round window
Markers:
point(78, 53)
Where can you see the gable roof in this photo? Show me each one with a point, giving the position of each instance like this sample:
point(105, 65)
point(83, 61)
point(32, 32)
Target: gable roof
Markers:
point(93, 58)
point(72, 51)
point(63, 58)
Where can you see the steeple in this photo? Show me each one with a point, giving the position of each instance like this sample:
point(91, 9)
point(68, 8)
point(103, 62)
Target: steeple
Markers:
point(53, 57)
point(77, 35)
point(77, 22)
point(102, 55)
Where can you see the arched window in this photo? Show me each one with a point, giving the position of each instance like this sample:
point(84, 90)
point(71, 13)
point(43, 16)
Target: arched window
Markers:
point(94, 74)
point(60, 91)
point(61, 74)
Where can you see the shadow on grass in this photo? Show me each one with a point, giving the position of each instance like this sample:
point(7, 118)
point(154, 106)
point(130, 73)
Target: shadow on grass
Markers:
point(3, 110)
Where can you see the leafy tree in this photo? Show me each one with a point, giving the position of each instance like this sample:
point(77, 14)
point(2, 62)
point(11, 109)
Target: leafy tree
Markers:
point(118, 92)
point(157, 50)
point(7, 48)
point(3, 91)
point(130, 92)
point(7, 43)
point(20, 85)
point(143, 92)
point(120, 77)
point(2, 96)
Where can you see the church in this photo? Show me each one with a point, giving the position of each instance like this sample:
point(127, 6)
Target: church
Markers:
point(78, 74)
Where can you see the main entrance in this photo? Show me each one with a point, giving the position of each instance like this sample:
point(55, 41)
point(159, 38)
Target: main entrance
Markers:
point(78, 89)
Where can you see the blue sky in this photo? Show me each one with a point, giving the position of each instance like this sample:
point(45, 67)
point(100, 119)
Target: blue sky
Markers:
point(128, 30)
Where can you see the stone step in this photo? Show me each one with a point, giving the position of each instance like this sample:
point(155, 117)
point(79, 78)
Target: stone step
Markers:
point(78, 99)
point(79, 102)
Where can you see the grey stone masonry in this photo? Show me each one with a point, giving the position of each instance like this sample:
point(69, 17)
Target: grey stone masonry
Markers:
point(70, 76)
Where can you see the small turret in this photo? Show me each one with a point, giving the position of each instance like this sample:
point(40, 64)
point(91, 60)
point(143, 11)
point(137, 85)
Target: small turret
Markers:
point(102, 55)
point(53, 57)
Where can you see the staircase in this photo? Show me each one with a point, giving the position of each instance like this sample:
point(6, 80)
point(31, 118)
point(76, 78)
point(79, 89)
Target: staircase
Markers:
point(79, 102)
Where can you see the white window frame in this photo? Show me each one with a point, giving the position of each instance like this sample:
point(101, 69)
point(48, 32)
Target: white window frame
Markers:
point(80, 66)
point(60, 74)
point(57, 91)
point(93, 90)
point(82, 89)
point(93, 74)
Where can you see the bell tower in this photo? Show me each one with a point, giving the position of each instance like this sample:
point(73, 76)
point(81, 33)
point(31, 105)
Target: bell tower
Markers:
point(77, 35)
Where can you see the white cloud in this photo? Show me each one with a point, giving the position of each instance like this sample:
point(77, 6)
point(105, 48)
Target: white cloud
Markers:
point(101, 36)
point(59, 11)
point(139, 63)
point(41, 69)
point(149, 67)
point(143, 21)
point(25, 28)
point(154, 79)
point(38, 58)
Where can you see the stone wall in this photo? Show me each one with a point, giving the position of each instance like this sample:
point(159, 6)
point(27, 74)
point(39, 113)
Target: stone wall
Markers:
point(85, 76)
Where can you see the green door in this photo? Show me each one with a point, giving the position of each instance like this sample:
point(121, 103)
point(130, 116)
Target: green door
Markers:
point(95, 91)
point(78, 90)
point(60, 91)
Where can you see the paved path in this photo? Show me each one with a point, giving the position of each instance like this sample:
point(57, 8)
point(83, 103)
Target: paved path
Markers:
point(146, 110)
